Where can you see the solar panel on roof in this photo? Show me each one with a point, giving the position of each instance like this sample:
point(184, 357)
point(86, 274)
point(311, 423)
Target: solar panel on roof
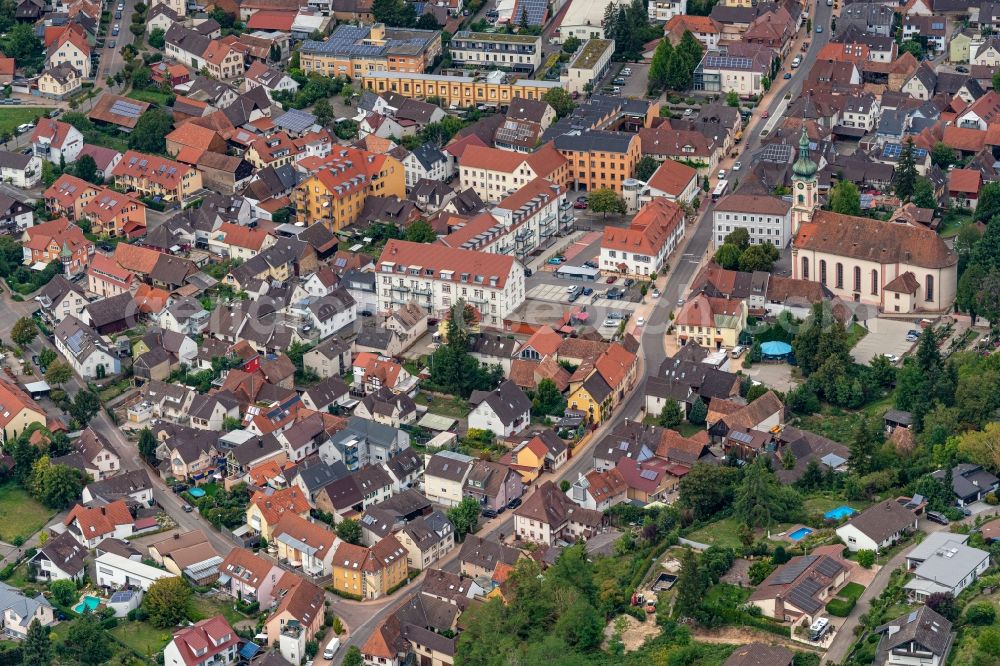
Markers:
point(648, 474)
point(533, 10)
point(728, 62)
point(127, 109)
point(780, 153)
point(892, 151)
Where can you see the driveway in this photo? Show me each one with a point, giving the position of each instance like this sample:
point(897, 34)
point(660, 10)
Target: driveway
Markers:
point(885, 336)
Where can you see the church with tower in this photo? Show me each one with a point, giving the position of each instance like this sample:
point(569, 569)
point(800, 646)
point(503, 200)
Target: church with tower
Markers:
point(898, 267)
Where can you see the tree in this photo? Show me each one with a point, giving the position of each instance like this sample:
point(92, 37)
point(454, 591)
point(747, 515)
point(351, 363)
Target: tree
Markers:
point(864, 441)
point(981, 613)
point(353, 657)
point(548, 399)
point(85, 405)
point(23, 45)
point(883, 372)
point(698, 413)
point(733, 99)
point(323, 111)
point(606, 201)
point(645, 168)
point(759, 499)
point(560, 101)
point(660, 66)
point(394, 13)
point(87, 643)
point(690, 49)
point(59, 373)
point(866, 558)
point(86, 168)
point(149, 135)
point(580, 626)
point(47, 356)
point(349, 530)
point(845, 199)
point(420, 231)
point(942, 155)
point(912, 47)
point(707, 489)
point(671, 415)
point(923, 194)
point(924, 380)
point(428, 22)
point(56, 486)
point(728, 256)
point(988, 204)
point(679, 76)
point(167, 602)
point(906, 171)
point(943, 603)
point(157, 38)
point(147, 446)
point(37, 647)
point(739, 237)
point(759, 258)
point(465, 517)
point(571, 44)
point(24, 331)
point(63, 591)
point(691, 585)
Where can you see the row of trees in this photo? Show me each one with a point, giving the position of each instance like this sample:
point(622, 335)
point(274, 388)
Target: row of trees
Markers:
point(628, 24)
point(672, 67)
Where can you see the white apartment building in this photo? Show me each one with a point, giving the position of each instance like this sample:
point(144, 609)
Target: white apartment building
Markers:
point(664, 10)
point(641, 249)
point(862, 112)
point(116, 572)
point(519, 53)
point(495, 173)
point(85, 350)
point(589, 65)
point(519, 224)
point(437, 277)
point(766, 219)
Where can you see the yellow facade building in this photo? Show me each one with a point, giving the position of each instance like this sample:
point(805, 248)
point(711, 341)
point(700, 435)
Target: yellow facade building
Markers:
point(495, 89)
point(335, 192)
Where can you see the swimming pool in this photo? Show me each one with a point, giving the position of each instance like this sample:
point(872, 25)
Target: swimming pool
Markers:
point(196, 492)
point(842, 511)
point(800, 534)
point(87, 604)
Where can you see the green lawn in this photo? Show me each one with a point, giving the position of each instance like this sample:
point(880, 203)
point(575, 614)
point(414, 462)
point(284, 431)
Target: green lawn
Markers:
point(823, 501)
point(204, 607)
point(151, 96)
point(952, 221)
point(851, 591)
point(838, 424)
point(12, 116)
point(20, 514)
point(723, 532)
point(855, 334)
point(142, 637)
point(455, 408)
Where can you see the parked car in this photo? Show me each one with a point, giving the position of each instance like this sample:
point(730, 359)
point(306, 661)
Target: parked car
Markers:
point(614, 294)
point(892, 358)
point(962, 69)
point(610, 323)
point(489, 513)
point(737, 166)
point(111, 44)
point(766, 114)
point(655, 293)
point(572, 288)
point(179, 487)
point(587, 291)
point(688, 112)
point(188, 508)
point(819, 29)
point(573, 296)
point(590, 263)
point(629, 282)
point(611, 279)
point(722, 174)
point(640, 321)
point(788, 75)
point(514, 503)
point(938, 518)
point(580, 205)
point(115, 30)
point(619, 81)
point(118, 15)
point(615, 315)
point(555, 261)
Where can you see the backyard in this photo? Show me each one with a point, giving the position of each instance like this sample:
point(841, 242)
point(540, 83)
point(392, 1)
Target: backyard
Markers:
point(14, 116)
point(142, 637)
point(20, 514)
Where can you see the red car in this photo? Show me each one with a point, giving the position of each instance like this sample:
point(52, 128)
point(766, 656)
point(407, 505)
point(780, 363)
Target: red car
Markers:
point(611, 280)
point(766, 114)
point(580, 204)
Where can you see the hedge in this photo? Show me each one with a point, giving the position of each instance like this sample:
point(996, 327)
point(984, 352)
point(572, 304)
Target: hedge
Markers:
point(840, 607)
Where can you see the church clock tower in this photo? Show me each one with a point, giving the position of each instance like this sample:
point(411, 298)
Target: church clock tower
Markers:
point(804, 186)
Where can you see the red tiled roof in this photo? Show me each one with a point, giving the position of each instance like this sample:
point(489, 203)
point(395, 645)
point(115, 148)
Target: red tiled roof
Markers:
point(433, 260)
point(965, 181)
point(649, 230)
point(672, 177)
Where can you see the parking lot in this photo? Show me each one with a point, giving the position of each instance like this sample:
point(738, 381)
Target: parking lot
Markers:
point(885, 336)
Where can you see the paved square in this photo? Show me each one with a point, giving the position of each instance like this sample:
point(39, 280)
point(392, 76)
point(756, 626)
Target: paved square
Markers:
point(885, 336)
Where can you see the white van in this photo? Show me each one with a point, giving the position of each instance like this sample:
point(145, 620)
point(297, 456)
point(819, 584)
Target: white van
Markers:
point(797, 61)
point(818, 628)
point(331, 648)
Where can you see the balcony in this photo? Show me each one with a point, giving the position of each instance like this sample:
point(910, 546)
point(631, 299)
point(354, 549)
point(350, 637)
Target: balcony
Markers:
point(423, 291)
point(400, 288)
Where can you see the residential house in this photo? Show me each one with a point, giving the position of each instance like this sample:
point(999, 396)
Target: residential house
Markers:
point(106, 278)
point(370, 573)
point(493, 484)
point(445, 475)
point(85, 350)
point(266, 508)
point(297, 618)
point(90, 526)
point(427, 539)
point(209, 641)
point(970, 482)
point(19, 611)
point(132, 486)
point(798, 591)
point(673, 181)
point(386, 407)
point(503, 411)
point(57, 240)
point(548, 516)
point(20, 170)
point(878, 526)
point(599, 490)
point(56, 141)
point(943, 563)
point(305, 544)
point(617, 153)
point(480, 557)
point(362, 442)
point(493, 173)
point(249, 577)
point(61, 298)
point(922, 635)
point(154, 176)
point(62, 557)
point(642, 248)
point(187, 554)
